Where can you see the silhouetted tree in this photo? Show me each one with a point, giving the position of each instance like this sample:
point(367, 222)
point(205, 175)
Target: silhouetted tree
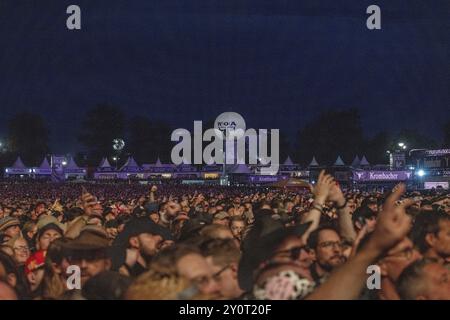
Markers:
point(28, 136)
point(149, 140)
point(101, 126)
point(414, 139)
point(331, 134)
point(376, 147)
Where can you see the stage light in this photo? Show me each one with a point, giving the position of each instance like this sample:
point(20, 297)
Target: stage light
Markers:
point(420, 173)
point(401, 144)
point(64, 163)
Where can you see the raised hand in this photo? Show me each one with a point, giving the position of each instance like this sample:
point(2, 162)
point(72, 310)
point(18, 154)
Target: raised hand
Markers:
point(335, 195)
point(393, 223)
point(323, 186)
point(90, 204)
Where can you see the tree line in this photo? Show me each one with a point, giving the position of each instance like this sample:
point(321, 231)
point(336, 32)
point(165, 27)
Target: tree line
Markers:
point(331, 133)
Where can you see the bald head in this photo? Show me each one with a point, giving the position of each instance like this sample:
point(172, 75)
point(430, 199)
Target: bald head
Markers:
point(6, 292)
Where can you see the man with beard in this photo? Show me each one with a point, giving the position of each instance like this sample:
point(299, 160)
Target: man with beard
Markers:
point(326, 246)
point(134, 248)
point(89, 251)
point(431, 234)
point(269, 251)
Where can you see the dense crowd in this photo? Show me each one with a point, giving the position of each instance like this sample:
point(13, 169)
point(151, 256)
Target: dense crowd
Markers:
point(133, 241)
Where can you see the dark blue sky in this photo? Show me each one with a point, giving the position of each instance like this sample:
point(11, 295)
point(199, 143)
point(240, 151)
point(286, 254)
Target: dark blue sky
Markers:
point(278, 63)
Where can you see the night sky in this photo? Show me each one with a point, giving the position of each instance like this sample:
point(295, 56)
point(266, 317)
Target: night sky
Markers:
point(278, 63)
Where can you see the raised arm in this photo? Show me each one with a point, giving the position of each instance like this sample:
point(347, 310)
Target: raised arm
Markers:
point(393, 225)
point(320, 191)
point(346, 228)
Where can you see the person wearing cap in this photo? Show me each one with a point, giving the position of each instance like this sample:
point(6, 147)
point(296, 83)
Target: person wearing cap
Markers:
point(222, 218)
point(48, 230)
point(140, 240)
point(9, 227)
point(270, 243)
point(89, 251)
point(34, 270)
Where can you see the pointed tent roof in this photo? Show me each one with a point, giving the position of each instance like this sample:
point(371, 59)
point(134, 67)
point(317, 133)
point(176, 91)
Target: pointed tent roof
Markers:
point(105, 163)
point(339, 162)
point(45, 164)
point(241, 168)
point(18, 164)
point(364, 161)
point(72, 165)
point(288, 162)
point(130, 164)
point(356, 162)
point(314, 162)
point(158, 163)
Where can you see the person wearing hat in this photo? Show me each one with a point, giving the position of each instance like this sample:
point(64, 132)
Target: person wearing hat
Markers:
point(9, 227)
point(269, 242)
point(222, 218)
point(192, 227)
point(134, 248)
point(89, 251)
point(34, 270)
point(48, 230)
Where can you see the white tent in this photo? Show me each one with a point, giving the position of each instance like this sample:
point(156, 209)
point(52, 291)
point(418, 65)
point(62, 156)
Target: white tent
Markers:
point(105, 164)
point(356, 162)
point(241, 169)
point(130, 166)
point(339, 162)
point(18, 168)
point(73, 170)
point(43, 169)
point(364, 162)
point(105, 171)
point(314, 162)
point(45, 164)
point(288, 162)
point(18, 164)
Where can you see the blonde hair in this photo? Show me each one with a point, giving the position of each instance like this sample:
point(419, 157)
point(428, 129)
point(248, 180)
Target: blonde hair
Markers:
point(153, 285)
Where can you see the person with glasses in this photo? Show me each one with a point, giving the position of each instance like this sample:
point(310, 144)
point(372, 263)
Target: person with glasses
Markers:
point(21, 250)
point(392, 265)
point(191, 264)
point(326, 249)
point(223, 257)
